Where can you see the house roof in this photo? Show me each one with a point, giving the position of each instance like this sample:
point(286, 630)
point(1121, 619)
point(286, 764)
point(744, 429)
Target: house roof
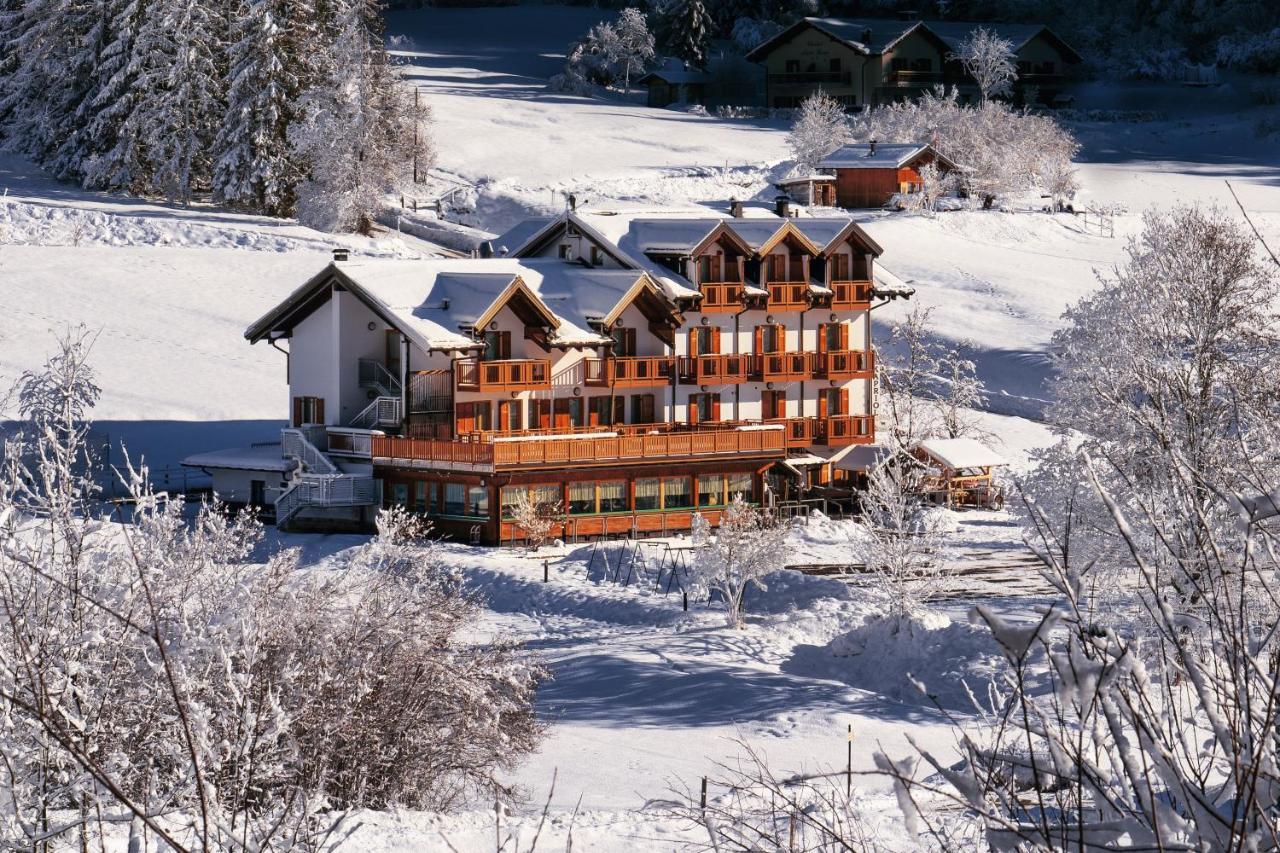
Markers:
point(260, 458)
point(434, 301)
point(887, 155)
point(957, 453)
point(884, 33)
point(678, 76)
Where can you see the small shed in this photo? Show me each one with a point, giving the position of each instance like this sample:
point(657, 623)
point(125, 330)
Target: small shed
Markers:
point(961, 471)
point(675, 85)
point(816, 190)
point(869, 174)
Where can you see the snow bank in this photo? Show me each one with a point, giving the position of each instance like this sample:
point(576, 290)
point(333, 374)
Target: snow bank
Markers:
point(883, 655)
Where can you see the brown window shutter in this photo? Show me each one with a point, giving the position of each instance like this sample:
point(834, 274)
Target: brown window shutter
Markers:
point(629, 341)
point(297, 411)
point(619, 410)
point(844, 337)
point(844, 401)
point(693, 408)
point(320, 410)
point(715, 407)
point(759, 341)
point(693, 342)
point(715, 339)
point(823, 396)
point(504, 345)
point(822, 337)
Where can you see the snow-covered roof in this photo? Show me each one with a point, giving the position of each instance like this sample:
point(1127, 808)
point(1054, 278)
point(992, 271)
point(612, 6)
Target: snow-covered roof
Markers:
point(862, 457)
point(958, 453)
point(796, 180)
point(884, 155)
point(433, 301)
point(675, 75)
point(662, 236)
point(519, 235)
point(259, 458)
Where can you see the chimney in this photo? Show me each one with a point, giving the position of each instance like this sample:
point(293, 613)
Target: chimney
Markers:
point(444, 304)
point(341, 254)
point(871, 148)
point(782, 205)
point(573, 202)
point(486, 249)
point(866, 36)
point(735, 208)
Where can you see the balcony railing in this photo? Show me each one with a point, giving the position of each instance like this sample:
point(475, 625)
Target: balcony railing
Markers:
point(799, 431)
point(715, 369)
point(839, 430)
point(785, 366)
point(507, 375)
point(851, 294)
point(788, 295)
point(490, 452)
point(719, 297)
point(628, 371)
point(806, 77)
point(906, 77)
point(853, 364)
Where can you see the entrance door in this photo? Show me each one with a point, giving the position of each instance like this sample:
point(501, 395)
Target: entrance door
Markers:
point(257, 493)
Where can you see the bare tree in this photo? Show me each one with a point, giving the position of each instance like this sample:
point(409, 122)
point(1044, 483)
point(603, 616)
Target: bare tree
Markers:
point(537, 519)
point(960, 393)
point(907, 379)
point(989, 59)
point(746, 547)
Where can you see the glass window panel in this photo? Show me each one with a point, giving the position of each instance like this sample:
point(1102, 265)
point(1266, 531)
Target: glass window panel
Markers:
point(711, 490)
point(420, 496)
point(455, 499)
point(677, 493)
point(400, 494)
point(547, 497)
point(741, 484)
point(613, 496)
point(510, 495)
point(582, 498)
point(478, 501)
point(648, 494)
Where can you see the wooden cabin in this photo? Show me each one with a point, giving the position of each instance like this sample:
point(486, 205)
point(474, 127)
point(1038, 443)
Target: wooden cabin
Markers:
point(870, 174)
point(960, 472)
point(675, 86)
point(815, 190)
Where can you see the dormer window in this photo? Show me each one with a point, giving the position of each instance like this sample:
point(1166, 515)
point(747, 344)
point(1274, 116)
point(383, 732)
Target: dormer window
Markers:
point(597, 257)
point(566, 252)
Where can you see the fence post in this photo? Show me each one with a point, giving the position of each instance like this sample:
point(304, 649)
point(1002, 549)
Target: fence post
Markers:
point(546, 571)
point(704, 793)
point(848, 773)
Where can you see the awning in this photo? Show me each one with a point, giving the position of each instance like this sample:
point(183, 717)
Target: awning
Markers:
point(863, 457)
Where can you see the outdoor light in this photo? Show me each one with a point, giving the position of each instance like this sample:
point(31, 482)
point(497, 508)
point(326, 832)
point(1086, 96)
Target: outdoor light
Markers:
point(769, 319)
point(703, 387)
point(706, 321)
point(833, 318)
point(834, 383)
point(769, 385)
point(577, 392)
point(515, 394)
point(372, 325)
point(493, 327)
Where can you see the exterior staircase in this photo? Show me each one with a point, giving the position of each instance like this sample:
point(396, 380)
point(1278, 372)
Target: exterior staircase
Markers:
point(386, 408)
point(319, 483)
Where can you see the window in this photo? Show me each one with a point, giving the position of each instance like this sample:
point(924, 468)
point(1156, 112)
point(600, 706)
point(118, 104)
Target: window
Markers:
point(400, 494)
point(546, 498)
point(769, 338)
point(777, 267)
point(676, 493)
point(837, 336)
point(642, 408)
point(741, 484)
point(704, 408)
point(582, 498)
point(648, 495)
point(774, 404)
point(511, 415)
point(455, 499)
point(709, 269)
point(478, 501)
point(597, 257)
point(899, 63)
point(840, 267)
point(474, 416)
point(624, 341)
point(497, 345)
point(420, 496)
point(924, 63)
point(566, 253)
point(613, 496)
point(569, 412)
point(257, 493)
point(510, 497)
point(308, 410)
point(710, 490)
point(704, 340)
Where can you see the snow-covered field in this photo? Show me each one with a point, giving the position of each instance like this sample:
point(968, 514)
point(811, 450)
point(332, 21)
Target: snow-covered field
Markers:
point(643, 696)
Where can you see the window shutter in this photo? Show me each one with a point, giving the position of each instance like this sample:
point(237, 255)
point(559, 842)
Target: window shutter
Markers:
point(297, 411)
point(693, 342)
point(822, 337)
point(844, 401)
point(823, 396)
point(320, 410)
point(715, 407)
point(715, 339)
point(759, 342)
point(629, 341)
point(844, 337)
point(693, 408)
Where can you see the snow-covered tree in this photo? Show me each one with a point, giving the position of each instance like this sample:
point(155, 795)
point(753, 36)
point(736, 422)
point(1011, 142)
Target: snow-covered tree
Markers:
point(907, 379)
point(635, 44)
point(820, 127)
point(254, 167)
point(959, 394)
point(536, 519)
point(737, 555)
point(935, 184)
point(686, 32)
point(989, 60)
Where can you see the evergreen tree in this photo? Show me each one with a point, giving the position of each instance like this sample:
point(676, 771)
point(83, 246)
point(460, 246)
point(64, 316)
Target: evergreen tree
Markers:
point(686, 32)
point(118, 131)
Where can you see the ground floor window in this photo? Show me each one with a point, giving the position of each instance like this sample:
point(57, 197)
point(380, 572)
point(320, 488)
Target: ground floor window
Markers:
point(464, 499)
point(400, 494)
point(677, 493)
point(546, 496)
point(648, 494)
point(590, 498)
point(420, 496)
point(711, 490)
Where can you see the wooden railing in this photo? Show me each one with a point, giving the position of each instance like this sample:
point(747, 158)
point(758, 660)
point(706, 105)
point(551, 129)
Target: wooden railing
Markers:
point(720, 297)
point(506, 375)
point(785, 366)
point(853, 364)
point(788, 295)
point(851, 294)
point(628, 371)
point(799, 431)
point(605, 446)
point(839, 430)
point(715, 369)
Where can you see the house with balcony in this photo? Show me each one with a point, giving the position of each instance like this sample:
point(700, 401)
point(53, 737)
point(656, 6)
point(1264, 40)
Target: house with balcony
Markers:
point(868, 61)
point(629, 370)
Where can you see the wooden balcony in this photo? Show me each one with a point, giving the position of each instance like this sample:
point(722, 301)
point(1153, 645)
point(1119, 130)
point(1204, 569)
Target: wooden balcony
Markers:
point(853, 295)
point(798, 431)
point(507, 375)
point(635, 445)
point(839, 430)
point(628, 371)
point(853, 364)
point(784, 366)
point(715, 369)
point(721, 297)
point(788, 295)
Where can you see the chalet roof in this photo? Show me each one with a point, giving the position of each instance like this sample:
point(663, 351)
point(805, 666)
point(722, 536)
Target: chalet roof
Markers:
point(667, 235)
point(886, 32)
point(675, 75)
point(434, 301)
point(756, 232)
point(957, 453)
point(265, 457)
point(824, 231)
point(887, 155)
point(512, 240)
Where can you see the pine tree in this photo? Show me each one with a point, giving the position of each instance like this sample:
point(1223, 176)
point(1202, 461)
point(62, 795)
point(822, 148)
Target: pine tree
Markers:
point(687, 32)
point(118, 132)
point(254, 168)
